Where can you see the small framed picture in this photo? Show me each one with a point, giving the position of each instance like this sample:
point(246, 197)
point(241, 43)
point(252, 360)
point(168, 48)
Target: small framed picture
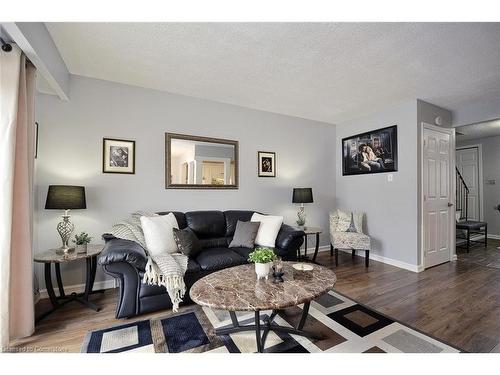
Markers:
point(267, 163)
point(118, 156)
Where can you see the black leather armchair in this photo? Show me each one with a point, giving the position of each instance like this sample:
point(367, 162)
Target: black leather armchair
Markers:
point(126, 260)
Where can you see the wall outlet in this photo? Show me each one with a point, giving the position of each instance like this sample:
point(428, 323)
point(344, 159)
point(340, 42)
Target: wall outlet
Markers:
point(390, 177)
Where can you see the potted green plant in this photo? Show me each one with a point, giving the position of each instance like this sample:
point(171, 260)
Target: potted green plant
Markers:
point(81, 241)
point(263, 258)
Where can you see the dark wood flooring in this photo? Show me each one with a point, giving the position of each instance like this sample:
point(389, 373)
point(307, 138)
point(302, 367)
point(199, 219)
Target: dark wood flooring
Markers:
point(457, 302)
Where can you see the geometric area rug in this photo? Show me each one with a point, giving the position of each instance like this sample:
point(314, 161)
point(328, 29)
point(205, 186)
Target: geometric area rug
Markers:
point(343, 326)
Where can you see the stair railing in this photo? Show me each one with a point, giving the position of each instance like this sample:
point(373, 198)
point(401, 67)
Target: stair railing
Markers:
point(462, 196)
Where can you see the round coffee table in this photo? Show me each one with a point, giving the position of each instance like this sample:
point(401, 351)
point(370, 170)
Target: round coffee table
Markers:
point(237, 289)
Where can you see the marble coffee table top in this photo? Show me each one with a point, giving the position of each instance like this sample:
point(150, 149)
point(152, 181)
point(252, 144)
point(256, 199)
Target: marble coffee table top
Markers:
point(237, 288)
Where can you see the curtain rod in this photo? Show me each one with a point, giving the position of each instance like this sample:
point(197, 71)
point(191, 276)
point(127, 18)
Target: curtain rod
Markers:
point(6, 47)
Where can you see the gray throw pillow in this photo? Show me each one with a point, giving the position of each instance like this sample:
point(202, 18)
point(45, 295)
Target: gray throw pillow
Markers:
point(187, 242)
point(245, 233)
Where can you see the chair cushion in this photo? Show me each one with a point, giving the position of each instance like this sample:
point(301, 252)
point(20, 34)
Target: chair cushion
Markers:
point(232, 218)
point(350, 240)
point(219, 258)
point(470, 224)
point(207, 224)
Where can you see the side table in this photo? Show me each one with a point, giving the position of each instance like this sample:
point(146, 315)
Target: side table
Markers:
point(51, 256)
point(309, 231)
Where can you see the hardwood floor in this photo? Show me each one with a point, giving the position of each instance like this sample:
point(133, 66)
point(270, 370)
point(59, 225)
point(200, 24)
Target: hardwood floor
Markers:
point(458, 302)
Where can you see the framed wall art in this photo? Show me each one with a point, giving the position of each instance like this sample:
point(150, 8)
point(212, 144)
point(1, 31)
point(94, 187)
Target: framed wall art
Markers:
point(118, 156)
point(375, 151)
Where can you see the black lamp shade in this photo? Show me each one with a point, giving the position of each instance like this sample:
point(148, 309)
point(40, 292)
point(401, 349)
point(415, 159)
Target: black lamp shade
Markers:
point(65, 197)
point(302, 195)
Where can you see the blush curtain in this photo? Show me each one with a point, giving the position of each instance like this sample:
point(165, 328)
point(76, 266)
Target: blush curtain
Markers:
point(17, 89)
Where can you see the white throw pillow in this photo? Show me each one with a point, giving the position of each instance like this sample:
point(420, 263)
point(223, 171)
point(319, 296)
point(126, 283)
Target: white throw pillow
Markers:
point(268, 230)
point(159, 234)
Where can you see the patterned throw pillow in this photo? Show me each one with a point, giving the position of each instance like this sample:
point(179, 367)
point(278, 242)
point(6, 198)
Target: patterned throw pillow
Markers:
point(349, 221)
point(187, 242)
point(344, 221)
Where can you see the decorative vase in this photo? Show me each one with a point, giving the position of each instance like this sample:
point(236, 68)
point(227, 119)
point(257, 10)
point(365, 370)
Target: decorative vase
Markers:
point(262, 269)
point(81, 248)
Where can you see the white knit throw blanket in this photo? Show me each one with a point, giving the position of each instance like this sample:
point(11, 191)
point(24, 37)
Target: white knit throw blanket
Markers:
point(163, 270)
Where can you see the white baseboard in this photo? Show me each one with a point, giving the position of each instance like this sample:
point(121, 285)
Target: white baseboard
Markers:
point(78, 288)
point(494, 236)
point(376, 257)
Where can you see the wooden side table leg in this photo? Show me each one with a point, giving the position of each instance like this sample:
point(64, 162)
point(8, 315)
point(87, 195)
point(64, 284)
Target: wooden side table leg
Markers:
point(336, 257)
point(49, 286)
point(305, 246)
point(59, 281)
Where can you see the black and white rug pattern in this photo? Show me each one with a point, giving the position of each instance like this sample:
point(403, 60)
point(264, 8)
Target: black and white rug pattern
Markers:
point(343, 325)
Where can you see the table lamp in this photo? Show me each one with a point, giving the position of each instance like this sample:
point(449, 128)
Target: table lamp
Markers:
point(302, 195)
point(65, 197)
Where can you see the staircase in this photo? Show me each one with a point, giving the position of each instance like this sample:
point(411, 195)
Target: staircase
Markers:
point(461, 197)
point(465, 226)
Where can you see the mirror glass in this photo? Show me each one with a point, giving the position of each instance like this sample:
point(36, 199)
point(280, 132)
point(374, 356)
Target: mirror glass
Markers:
point(201, 162)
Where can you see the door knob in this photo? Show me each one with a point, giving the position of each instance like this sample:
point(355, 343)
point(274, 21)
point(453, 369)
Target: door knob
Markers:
point(450, 204)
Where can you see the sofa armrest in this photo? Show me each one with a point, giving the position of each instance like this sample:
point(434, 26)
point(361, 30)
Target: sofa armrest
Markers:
point(120, 250)
point(287, 235)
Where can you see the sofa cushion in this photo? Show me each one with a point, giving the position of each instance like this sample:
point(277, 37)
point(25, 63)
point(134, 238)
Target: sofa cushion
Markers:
point(207, 224)
point(242, 251)
point(232, 218)
point(210, 243)
point(219, 258)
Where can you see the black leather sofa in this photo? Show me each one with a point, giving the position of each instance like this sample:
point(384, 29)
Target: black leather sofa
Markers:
point(125, 260)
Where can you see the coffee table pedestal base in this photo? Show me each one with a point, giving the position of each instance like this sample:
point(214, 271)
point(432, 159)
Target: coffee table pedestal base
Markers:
point(262, 330)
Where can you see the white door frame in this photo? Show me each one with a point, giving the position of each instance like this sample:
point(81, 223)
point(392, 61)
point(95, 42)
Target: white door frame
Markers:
point(451, 131)
point(479, 147)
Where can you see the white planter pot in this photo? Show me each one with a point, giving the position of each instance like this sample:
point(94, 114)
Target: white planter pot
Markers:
point(81, 248)
point(262, 270)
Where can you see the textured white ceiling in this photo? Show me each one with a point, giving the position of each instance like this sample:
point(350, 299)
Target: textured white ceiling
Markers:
point(323, 71)
point(477, 131)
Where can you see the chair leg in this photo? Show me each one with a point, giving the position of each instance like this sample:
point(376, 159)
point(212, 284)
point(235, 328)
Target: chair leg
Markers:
point(331, 250)
point(353, 253)
point(336, 257)
point(486, 236)
point(468, 240)
point(367, 258)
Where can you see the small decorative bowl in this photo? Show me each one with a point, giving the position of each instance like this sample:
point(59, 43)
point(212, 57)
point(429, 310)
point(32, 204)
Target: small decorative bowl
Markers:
point(303, 267)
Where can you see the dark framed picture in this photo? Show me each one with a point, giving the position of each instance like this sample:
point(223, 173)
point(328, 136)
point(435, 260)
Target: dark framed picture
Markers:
point(267, 163)
point(118, 156)
point(372, 152)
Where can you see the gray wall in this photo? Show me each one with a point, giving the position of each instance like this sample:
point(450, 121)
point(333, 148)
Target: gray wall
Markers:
point(70, 152)
point(390, 207)
point(491, 171)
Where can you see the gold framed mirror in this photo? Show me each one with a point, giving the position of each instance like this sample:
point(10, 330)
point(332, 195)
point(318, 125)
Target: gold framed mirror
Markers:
point(193, 162)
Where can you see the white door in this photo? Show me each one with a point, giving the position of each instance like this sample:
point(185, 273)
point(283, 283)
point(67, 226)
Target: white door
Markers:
point(438, 210)
point(467, 160)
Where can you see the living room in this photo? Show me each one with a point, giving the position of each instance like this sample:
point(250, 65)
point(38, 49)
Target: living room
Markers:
point(214, 187)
